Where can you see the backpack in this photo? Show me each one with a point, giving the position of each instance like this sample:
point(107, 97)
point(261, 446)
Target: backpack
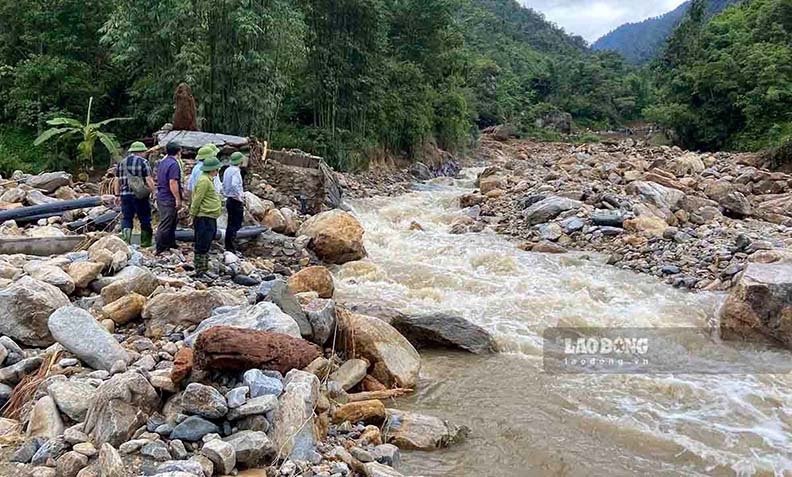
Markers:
point(136, 184)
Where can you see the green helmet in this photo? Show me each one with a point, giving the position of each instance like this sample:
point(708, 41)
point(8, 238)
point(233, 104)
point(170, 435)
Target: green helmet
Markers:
point(237, 158)
point(214, 147)
point(205, 153)
point(211, 164)
point(138, 146)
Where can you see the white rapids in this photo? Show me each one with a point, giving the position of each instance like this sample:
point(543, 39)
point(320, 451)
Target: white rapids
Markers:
point(528, 422)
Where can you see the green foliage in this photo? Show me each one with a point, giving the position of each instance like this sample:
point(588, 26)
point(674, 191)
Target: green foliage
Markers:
point(727, 83)
point(17, 152)
point(87, 132)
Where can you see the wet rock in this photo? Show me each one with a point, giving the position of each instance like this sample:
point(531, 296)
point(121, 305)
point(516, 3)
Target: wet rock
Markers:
point(448, 331)
point(350, 373)
point(80, 333)
point(549, 208)
point(759, 307)
point(336, 236)
point(49, 182)
point(264, 316)
point(185, 308)
point(121, 405)
point(125, 309)
point(70, 463)
point(204, 401)
point(322, 316)
point(50, 274)
point(370, 412)
point(221, 454)
point(83, 273)
point(317, 279)
point(223, 347)
point(252, 449)
point(260, 384)
point(110, 463)
point(413, 431)
point(72, 397)
point(45, 420)
point(294, 433)
point(277, 292)
point(193, 429)
point(25, 306)
point(395, 361)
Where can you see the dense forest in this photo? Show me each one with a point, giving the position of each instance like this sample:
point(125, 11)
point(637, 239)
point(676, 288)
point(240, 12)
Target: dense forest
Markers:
point(354, 80)
point(642, 42)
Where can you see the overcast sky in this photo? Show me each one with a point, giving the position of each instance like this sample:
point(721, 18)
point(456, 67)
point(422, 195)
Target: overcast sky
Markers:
point(593, 18)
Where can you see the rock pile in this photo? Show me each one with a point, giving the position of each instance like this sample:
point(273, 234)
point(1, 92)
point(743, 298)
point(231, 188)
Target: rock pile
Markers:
point(693, 219)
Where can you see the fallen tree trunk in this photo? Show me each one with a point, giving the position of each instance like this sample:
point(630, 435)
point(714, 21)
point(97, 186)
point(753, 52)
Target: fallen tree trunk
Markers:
point(188, 235)
point(55, 208)
point(40, 246)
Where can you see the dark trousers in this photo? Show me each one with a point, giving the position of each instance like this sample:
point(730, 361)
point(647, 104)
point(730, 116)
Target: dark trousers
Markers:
point(166, 231)
point(131, 206)
point(205, 230)
point(236, 213)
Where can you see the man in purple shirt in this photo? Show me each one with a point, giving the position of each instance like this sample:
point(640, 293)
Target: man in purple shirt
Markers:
point(169, 197)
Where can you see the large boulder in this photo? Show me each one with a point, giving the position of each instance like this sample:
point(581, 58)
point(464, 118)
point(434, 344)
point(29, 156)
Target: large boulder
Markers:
point(264, 316)
point(185, 308)
point(336, 236)
point(49, 182)
point(223, 347)
point(408, 430)
point(760, 305)
point(727, 196)
point(662, 197)
point(51, 274)
point(121, 405)
point(131, 279)
point(72, 397)
point(317, 279)
point(83, 273)
point(293, 431)
point(448, 331)
point(395, 362)
point(79, 332)
point(549, 208)
point(277, 291)
point(110, 243)
point(25, 307)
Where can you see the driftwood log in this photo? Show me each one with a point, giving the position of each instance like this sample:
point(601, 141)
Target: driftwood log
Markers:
point(227, 348)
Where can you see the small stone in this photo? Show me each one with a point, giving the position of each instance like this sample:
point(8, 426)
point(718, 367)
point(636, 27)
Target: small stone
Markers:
point(361, 454)
point(156, 450)
point(110, 463)
point(132, 446)
point(221, 454)
point(387, 454)
point(204, 401)
point(85, 448)
point(252, 448)
point(187, 466)
point(193, 429)
point(68, 362)
point(260, 384)
point(70, 463)
point(74, 436)
point(177, 449)
point(237, 397)
point(259, 405)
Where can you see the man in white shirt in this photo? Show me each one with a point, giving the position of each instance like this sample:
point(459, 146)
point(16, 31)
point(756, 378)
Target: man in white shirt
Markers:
point(198, 169)
point(234, 193)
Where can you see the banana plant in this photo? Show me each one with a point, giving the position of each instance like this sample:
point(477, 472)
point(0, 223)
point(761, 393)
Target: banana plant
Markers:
point(65, 128)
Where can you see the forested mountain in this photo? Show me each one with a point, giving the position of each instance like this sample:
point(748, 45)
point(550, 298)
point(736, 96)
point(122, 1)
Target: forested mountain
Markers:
point(727, 83)
point(641, 42)
point(346, 79)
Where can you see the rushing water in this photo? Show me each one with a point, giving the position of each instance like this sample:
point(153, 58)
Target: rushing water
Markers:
point(527, 422)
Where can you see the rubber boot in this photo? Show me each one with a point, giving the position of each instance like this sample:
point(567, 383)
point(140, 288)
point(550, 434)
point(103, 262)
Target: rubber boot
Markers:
point(126, 234)
point(146, 238)
point(201, 265)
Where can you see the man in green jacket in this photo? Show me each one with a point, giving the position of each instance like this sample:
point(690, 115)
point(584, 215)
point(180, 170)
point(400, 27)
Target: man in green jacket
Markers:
point(205, 208)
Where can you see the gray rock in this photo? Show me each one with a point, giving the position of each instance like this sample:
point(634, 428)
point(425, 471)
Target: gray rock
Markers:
point(260, 384)
point(221, 454)
point(350, 373)
point(70, 463)
point(45, 420)
point(24, 454)
point(74, 435)
point(177, 449)
point(658, 195)
point(375, 469)
point(549, 208)
point(15, 353)
point(237, 396)
point(121, 405)
point(253, 449)
point(204, 401)
point(49, 182)
point(551, 231)
point(25, 306)
point(53, 275)
point(409, 430)
point(110, 463)
point(278, 292)
point(186, 466)
point(156, 450)
point(193, 429)
point(72, 397)
point(387, 454)
point(14, 373)
point(5, 394)
point(294, 432)
point(85, 448)
point(259, 405)
point(263, 316)
point(611, 231)
point(80, 333)
point(51, 449)
point(572, 224)
point(448, 331)
point(256, 422)
point(321, 314)
point(610, 218)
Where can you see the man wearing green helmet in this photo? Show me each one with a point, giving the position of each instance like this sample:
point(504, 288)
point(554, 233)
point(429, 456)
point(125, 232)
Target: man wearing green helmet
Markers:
point(234, 193)
point(205, 208)
point(132, 190)
point(198, 168)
